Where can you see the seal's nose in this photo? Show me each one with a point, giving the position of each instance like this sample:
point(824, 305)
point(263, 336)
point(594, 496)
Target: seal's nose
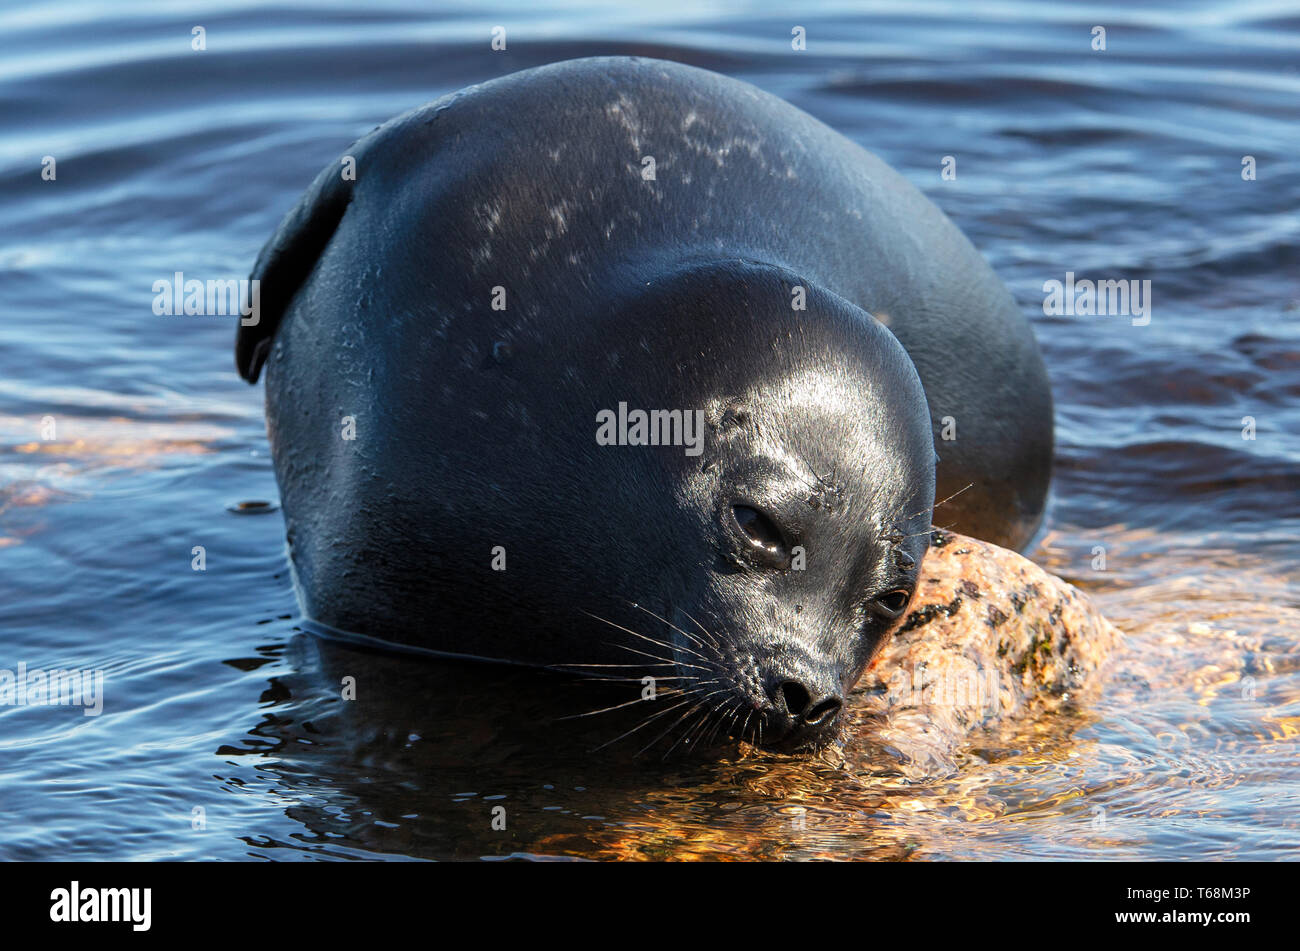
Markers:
point(801, 704)
point(802, 710)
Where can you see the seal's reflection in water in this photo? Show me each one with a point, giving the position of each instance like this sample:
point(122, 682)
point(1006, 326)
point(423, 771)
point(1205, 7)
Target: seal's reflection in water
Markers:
point(417, 763)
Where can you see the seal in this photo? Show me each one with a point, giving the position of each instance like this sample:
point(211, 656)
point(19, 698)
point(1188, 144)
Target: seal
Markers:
point(623, 366)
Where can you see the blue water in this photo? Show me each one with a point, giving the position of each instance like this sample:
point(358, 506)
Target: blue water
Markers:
point(126, 438)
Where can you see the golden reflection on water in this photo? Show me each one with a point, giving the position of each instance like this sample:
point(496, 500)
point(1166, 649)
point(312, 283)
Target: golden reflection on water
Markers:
point(88, 441)
point(81, 452)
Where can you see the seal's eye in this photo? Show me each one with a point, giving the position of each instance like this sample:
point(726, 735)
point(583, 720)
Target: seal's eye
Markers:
point(759, 529)
point(891, 605)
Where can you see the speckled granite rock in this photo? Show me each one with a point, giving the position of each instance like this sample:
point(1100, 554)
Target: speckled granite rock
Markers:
point(989, 636)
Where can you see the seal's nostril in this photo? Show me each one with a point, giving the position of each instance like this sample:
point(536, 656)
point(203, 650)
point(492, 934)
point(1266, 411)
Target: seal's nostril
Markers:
point(823, 712)
point(800, 704)
point(795, 696)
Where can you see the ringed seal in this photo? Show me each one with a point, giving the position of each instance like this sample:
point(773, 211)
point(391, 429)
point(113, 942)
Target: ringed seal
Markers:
point(472, 344)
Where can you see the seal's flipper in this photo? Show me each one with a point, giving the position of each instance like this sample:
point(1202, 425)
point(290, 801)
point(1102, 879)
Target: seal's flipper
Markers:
point(286, 261)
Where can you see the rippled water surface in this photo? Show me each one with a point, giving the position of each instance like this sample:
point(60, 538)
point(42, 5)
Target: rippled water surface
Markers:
point(1125, 163)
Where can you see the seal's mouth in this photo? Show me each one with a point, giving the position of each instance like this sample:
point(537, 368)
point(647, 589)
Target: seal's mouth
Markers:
point(784, 732)
point(786, 705)
point(704, 692)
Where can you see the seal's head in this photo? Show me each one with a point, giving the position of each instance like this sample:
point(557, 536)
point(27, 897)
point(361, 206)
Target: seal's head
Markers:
point(798, 530)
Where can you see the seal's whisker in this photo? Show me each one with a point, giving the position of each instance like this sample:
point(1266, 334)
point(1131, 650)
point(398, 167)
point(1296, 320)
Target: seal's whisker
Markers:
point(641, 653)
point(681, 664)
point(833, 486)
point(795, 472)
point(694, 743)
point(969, 485)
point(693, 638)
point(717, 648)
point(715, 714)
point(671, 727)
point(674, 724)
point(932, 528)
point(703, 719)
point(693, 734)
point(617, 706)
point(687, 719)
point(643, 637)
point(714, 711)
point(723, 711)
point(735, 720)
point(635, 680)
point(745, 729)
point(657, 657)
point(644, 723)
point(699, 714)
point(730, 712)
point(562, 668)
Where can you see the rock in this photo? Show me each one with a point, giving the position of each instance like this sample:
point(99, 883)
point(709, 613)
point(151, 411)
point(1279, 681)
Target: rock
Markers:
point(989, 636)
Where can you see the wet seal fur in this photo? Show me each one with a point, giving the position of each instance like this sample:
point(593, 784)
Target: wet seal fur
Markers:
point(504, 268)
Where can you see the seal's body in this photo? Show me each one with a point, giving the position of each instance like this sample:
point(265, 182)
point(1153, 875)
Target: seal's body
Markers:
point(519, 268)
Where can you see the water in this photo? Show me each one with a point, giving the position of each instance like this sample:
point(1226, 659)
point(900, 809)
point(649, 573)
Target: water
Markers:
point(222, 735)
